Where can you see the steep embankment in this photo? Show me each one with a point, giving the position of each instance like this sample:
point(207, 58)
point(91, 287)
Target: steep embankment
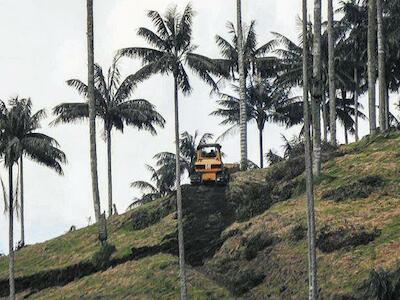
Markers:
point(244, 241)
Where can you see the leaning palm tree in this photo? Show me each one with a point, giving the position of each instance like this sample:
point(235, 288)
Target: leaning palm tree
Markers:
point(18, 138)
point(312, 253)
point(265, 103)
point(114, 106)
point(172, 52)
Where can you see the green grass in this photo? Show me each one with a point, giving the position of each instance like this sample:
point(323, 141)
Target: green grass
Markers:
point(284, 263)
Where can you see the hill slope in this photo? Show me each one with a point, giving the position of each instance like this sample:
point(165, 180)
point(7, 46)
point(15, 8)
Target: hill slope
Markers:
point(244, 241)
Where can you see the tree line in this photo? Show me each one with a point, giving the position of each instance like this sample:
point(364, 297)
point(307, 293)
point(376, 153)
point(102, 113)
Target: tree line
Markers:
point(334, 63)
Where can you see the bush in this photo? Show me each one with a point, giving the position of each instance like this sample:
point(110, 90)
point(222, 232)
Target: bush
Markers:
point(244, 280)
point(332, 240)
point(298, 233)
point(249, 200)
point(256, 243)
point(102, 257)
point(361, 188)
point(381, 285)
point(147, 216)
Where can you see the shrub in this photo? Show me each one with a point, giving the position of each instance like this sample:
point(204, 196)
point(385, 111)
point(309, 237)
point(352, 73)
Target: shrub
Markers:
point(381, 285)
point(332, 240)
point(150, 215)
point(244, 280)
point(249, 200)
point(361, 188)
point(298, 233)
point(256, 243)
point(101, 258)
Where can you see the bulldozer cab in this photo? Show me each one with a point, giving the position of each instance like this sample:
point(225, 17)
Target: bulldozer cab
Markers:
point(209, 167)
point(209, 152)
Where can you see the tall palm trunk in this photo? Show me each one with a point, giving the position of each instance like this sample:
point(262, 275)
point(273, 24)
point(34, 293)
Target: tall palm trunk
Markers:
point(312, 258)
point(331, 67)
point(356, 102)
point(109, 170)
point(372, 65)
point(317, 89)
point(181, 243)
point(242, 90)
point(381, 68)
point(11, 233)
point(92, 112)
point(21, 182)
point(261, 141)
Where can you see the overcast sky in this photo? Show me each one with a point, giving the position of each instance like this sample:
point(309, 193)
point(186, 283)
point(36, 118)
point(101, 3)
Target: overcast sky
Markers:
point(44, 44)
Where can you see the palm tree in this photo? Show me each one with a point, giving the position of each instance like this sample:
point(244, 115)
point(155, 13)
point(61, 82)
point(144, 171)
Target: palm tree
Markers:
point(265, 103)
point(352, 52)
point(347, 112)
point(188, 149)
point(114, 106)
point(331, 66)
point(163, 185)
point(173, 50)
point(317, 89)
point(26, 129)
point(312, 257)
point(381, 67)
point(18, 138)
point(372, 64)
point(242, 90)
point(92, 112)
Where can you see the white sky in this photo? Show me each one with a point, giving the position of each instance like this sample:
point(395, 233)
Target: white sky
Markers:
point(44, 44)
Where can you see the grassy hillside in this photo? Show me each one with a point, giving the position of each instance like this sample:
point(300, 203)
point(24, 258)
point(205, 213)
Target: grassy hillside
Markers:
point(246, 241)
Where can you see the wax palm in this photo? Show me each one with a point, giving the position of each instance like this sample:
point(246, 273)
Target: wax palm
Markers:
point(265, 103)
point(114, 106)
point(159, 186)
point(255, 59)
point(18, 138)
point(188, 147)
point(172, 52)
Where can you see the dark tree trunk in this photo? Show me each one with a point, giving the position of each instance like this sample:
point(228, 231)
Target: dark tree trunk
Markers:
point(11, 233)
point(109, 171)
point(22, 216)
point(312, 257)
point(346, 136)
point(356, 103)
point(260, 136)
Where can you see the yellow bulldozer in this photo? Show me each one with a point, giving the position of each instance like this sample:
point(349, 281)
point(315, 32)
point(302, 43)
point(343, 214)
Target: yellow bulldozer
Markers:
point(209, 168)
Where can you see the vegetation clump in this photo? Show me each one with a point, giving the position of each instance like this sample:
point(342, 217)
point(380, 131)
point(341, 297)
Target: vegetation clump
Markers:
point(298, 233)
point(148, 216)
point(102, 257)
point(256, 243)
point(361, 188)
point(381, 285)
point(332, 240)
